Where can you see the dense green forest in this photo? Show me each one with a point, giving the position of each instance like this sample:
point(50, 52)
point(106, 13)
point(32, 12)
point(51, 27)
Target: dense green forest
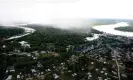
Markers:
point(126, 28)
point(9, 31)
point(49, 38)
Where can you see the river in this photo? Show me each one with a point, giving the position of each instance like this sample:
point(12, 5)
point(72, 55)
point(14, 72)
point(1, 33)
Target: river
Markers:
point(110, 29)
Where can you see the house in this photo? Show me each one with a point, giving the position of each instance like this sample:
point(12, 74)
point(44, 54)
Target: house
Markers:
point(39, 65)
point(27, 45)
point(42, 73)
point(7, 71)
point(9, 77)
point(11, 69)
point(102, 71)
point(29, 54)
point(4, 46)
point(106, 74)
point(18, 76)
point(74, 74)
point(69, 47)
point(33, 70)
point(24, 44)
point(42, 52)
point(55, 54)
point(48, 70)
point(100, 78)
point(55, 76)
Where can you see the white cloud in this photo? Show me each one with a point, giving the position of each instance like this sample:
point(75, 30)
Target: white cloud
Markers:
point(41, 12)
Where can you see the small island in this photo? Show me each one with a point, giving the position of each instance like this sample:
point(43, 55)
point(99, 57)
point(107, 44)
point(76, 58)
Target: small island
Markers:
point(125, 29)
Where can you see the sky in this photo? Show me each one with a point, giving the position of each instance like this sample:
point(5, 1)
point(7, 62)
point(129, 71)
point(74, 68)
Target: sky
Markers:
point(63, 11)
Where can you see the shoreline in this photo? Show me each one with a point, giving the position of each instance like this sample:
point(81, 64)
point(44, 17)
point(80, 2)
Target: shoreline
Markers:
point(110, 29)
point(27, 31)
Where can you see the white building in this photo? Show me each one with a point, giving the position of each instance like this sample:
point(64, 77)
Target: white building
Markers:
point(18, 76)
point(9, 77)
point(24, 44)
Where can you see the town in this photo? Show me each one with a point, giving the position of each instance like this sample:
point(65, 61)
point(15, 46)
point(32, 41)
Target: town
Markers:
point(67, 56)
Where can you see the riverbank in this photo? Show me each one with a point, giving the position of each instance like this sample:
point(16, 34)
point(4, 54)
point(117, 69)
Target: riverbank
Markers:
point(27, 31)
point(110, 29)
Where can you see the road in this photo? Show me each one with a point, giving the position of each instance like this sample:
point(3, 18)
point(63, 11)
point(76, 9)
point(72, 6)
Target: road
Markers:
point(117, 63)
point(118, 67)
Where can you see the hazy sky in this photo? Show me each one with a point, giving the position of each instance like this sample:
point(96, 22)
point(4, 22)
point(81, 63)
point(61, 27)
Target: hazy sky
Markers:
point(38, 11)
